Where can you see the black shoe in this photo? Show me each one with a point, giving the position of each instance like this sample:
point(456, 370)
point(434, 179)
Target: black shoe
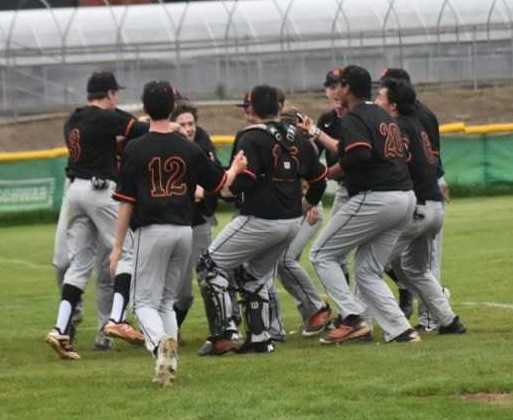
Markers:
point(259, 347)
point(455, 327)
point(406, 302)
point(408, 336)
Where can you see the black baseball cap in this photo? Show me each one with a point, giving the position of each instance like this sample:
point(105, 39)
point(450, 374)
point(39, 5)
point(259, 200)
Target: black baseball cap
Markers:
point(102, 81)
point(245, 101)
point(333, 77)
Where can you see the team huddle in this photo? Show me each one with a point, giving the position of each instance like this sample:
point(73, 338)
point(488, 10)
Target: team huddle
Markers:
point(140, 208)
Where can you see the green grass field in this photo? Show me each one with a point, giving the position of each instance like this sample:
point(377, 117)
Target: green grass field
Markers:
point(301, 380)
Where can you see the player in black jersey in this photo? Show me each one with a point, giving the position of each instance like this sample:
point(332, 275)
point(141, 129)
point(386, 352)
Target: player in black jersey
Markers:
point(381, 204)
point(412, 253)
point(186, 115)
point(430, 125)
point(92, 135)
point(158, 179)
point(270, 210)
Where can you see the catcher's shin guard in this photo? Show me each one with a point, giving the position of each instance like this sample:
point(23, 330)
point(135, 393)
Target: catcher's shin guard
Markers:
point(214, 290)
point(255, 305)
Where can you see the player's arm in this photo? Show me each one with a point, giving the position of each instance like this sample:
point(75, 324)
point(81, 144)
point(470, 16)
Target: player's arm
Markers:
point(248, 178)
point(315, 175)
point(123, 221)
point(213, 178)
point(320, 136)
point(126, 193)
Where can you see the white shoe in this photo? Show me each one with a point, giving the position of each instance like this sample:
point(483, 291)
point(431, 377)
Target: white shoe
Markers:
point(61, 344)
point(167, 361)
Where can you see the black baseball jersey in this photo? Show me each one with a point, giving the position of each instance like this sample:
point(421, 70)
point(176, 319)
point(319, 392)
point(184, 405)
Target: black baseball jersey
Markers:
point(329, 122)
point(278, 158)
point(369, 127)
point(422, 162)
point(159, 174)
point(430, 124)
point(91, 138)
point(208, 205)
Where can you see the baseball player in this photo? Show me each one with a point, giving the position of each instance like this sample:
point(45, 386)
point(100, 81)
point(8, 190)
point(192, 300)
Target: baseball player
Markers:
point(91, 137)
point(412, 253)
point(312, 308)
point(381, 204)
point(159, 174)
point(430, 124)
point(271, 208)
point(204, 206)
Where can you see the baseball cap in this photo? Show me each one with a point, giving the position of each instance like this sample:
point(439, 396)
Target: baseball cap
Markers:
point(333, 77)
point(102, 81)
point(245, 101)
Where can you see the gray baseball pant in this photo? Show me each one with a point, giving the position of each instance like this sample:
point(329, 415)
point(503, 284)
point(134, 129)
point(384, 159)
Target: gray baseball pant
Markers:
point(411, 260)
point(257, 243)
point(61, 261)
point(370, 222)
point(294, 277)
point(161, 255)
point(201, 239)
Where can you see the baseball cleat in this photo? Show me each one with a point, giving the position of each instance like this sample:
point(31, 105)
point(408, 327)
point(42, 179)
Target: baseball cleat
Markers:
point(408, 336)
point(102, 342)
point(124, 331)
point(351, 328)
point(167, 361)
point(455, 327)
point(62, 346)
point(217, 346)
point(424, 329)
point(317, 322)
point(256, 347)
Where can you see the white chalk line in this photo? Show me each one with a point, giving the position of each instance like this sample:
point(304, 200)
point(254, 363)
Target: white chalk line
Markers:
point(25, 263)
point(489, 304)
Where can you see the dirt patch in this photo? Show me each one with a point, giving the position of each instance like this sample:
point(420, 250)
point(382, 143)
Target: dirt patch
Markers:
point(486, 105)
point(490, 398)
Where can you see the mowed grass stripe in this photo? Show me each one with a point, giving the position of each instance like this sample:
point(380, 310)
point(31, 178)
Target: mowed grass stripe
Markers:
point(301, 380)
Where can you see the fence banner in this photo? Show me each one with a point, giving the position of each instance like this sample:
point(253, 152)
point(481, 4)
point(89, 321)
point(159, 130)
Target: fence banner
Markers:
point(37, 182)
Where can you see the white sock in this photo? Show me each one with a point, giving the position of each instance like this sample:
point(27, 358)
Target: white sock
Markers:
point(118, 314)
point(63, 316)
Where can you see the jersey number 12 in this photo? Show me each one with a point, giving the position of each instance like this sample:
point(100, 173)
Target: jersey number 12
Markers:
point(167, 178)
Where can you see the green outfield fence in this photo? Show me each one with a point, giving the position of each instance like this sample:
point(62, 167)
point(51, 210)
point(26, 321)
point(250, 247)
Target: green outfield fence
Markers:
point(474, 163)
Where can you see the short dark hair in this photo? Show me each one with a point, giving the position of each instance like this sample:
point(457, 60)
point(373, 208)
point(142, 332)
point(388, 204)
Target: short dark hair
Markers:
point(396, 73)
point(358, 79)
point(264, 101)
point(158, 99)
point(184, 108)
point(401, 93)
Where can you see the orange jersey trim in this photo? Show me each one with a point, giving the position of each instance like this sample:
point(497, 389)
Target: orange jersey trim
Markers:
point(319, 178)
point(121, 197)
point(128, 127)
point(249, 173)
point(220, 185)
point(357, 144)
